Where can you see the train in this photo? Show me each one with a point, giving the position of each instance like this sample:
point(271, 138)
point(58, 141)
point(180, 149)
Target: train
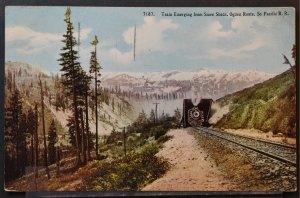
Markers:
point(196, 115)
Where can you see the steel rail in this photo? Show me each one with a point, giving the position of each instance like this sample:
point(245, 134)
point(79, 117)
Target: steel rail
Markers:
point(254, 149)
point(251, 138)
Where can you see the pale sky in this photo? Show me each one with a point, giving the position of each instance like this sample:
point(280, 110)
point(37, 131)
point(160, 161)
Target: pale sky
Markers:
point(33, 35)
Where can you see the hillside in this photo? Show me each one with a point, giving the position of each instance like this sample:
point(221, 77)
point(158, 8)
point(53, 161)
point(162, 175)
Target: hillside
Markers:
point(268, 106)
point(27, 77)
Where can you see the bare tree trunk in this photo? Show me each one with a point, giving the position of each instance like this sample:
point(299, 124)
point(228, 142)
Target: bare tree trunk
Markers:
point(124, 141)
point(83, 145)
point(75, 106)
point(44, 131)
point(17, 152)
point(57, 161)
point(36, 153)
point(87, 128)
point(32, 148)
point(96, 111)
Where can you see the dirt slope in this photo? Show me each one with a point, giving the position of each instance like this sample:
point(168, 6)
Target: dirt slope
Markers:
point(191, 170)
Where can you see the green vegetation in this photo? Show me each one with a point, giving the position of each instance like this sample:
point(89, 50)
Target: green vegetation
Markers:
point(132, 172)
point(268, 106)
point(140, 166)
point(52, 139)
point(138, 133)
point(95, 69)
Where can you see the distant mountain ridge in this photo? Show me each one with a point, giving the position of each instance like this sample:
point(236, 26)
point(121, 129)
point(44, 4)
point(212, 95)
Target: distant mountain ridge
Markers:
point(25, 68)
point(204, 82)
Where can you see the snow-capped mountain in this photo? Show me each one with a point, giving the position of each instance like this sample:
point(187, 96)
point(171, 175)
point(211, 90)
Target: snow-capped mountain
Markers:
point(201, 83)
point(140, 91)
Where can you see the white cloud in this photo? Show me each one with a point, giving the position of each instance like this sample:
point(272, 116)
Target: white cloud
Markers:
point(36, 41)
point(117, 56)
point(214, 31)
point(243, 41)
point(151, 35)
point(258, 42)
point(240, 52)
point(84, 33)
point(241, 23)
point(25, 33)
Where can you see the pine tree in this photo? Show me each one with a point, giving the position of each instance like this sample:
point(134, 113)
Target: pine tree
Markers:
point(36, 147)
point(83, 92)
point(58, 101)
point(163, 116)
point(142, 118)
point(12, 132)
point(31, 130)
point(95, 69)
point(23, 131)
point(86, 80)
point(83, 137)
point(44, 130)
point(71, 72)
point(152, 116)
point(113, 104)
point(177, 115)
point(52, 140)
point(294, 53)
point(71, 130)
point(8, 79)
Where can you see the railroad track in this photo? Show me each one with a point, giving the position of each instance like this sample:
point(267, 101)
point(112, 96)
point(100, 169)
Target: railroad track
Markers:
point(279, 152)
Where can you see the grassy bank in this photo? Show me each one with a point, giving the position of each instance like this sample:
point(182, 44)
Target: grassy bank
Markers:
point(130, 173)
point(139, 167)
point(269, 106)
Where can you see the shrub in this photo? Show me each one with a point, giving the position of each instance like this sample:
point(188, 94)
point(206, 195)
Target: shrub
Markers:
point(129, 173)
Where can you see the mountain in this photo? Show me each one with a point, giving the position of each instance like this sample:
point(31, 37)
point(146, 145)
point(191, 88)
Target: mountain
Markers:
point(268, 106)
point(24, 69)
point(202, 83)
point(26, 78)
point(128, 93)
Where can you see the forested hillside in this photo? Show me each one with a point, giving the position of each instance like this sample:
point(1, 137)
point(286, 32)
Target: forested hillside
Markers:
point(268, 106)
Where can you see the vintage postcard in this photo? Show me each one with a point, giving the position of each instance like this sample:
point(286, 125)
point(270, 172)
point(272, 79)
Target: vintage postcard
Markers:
point(150, 99)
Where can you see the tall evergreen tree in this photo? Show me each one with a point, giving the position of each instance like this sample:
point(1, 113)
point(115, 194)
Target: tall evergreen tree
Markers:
point(8, 80)
point(294, 53)
point(152, 116)
point(177, 115)
point(83, 137)
point(23, 131)
point(95, 69)
point(31, 130)
point(36, 146)
point(142, 118)
point(44, 130)
point(52, 140)
point(72, 132)
point(12, 132)
point(71, 72)
point(86, 91)
point(83, 92)
point(113, 104)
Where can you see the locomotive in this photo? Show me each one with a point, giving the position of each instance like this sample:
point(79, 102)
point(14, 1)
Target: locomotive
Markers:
point(196, 115)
